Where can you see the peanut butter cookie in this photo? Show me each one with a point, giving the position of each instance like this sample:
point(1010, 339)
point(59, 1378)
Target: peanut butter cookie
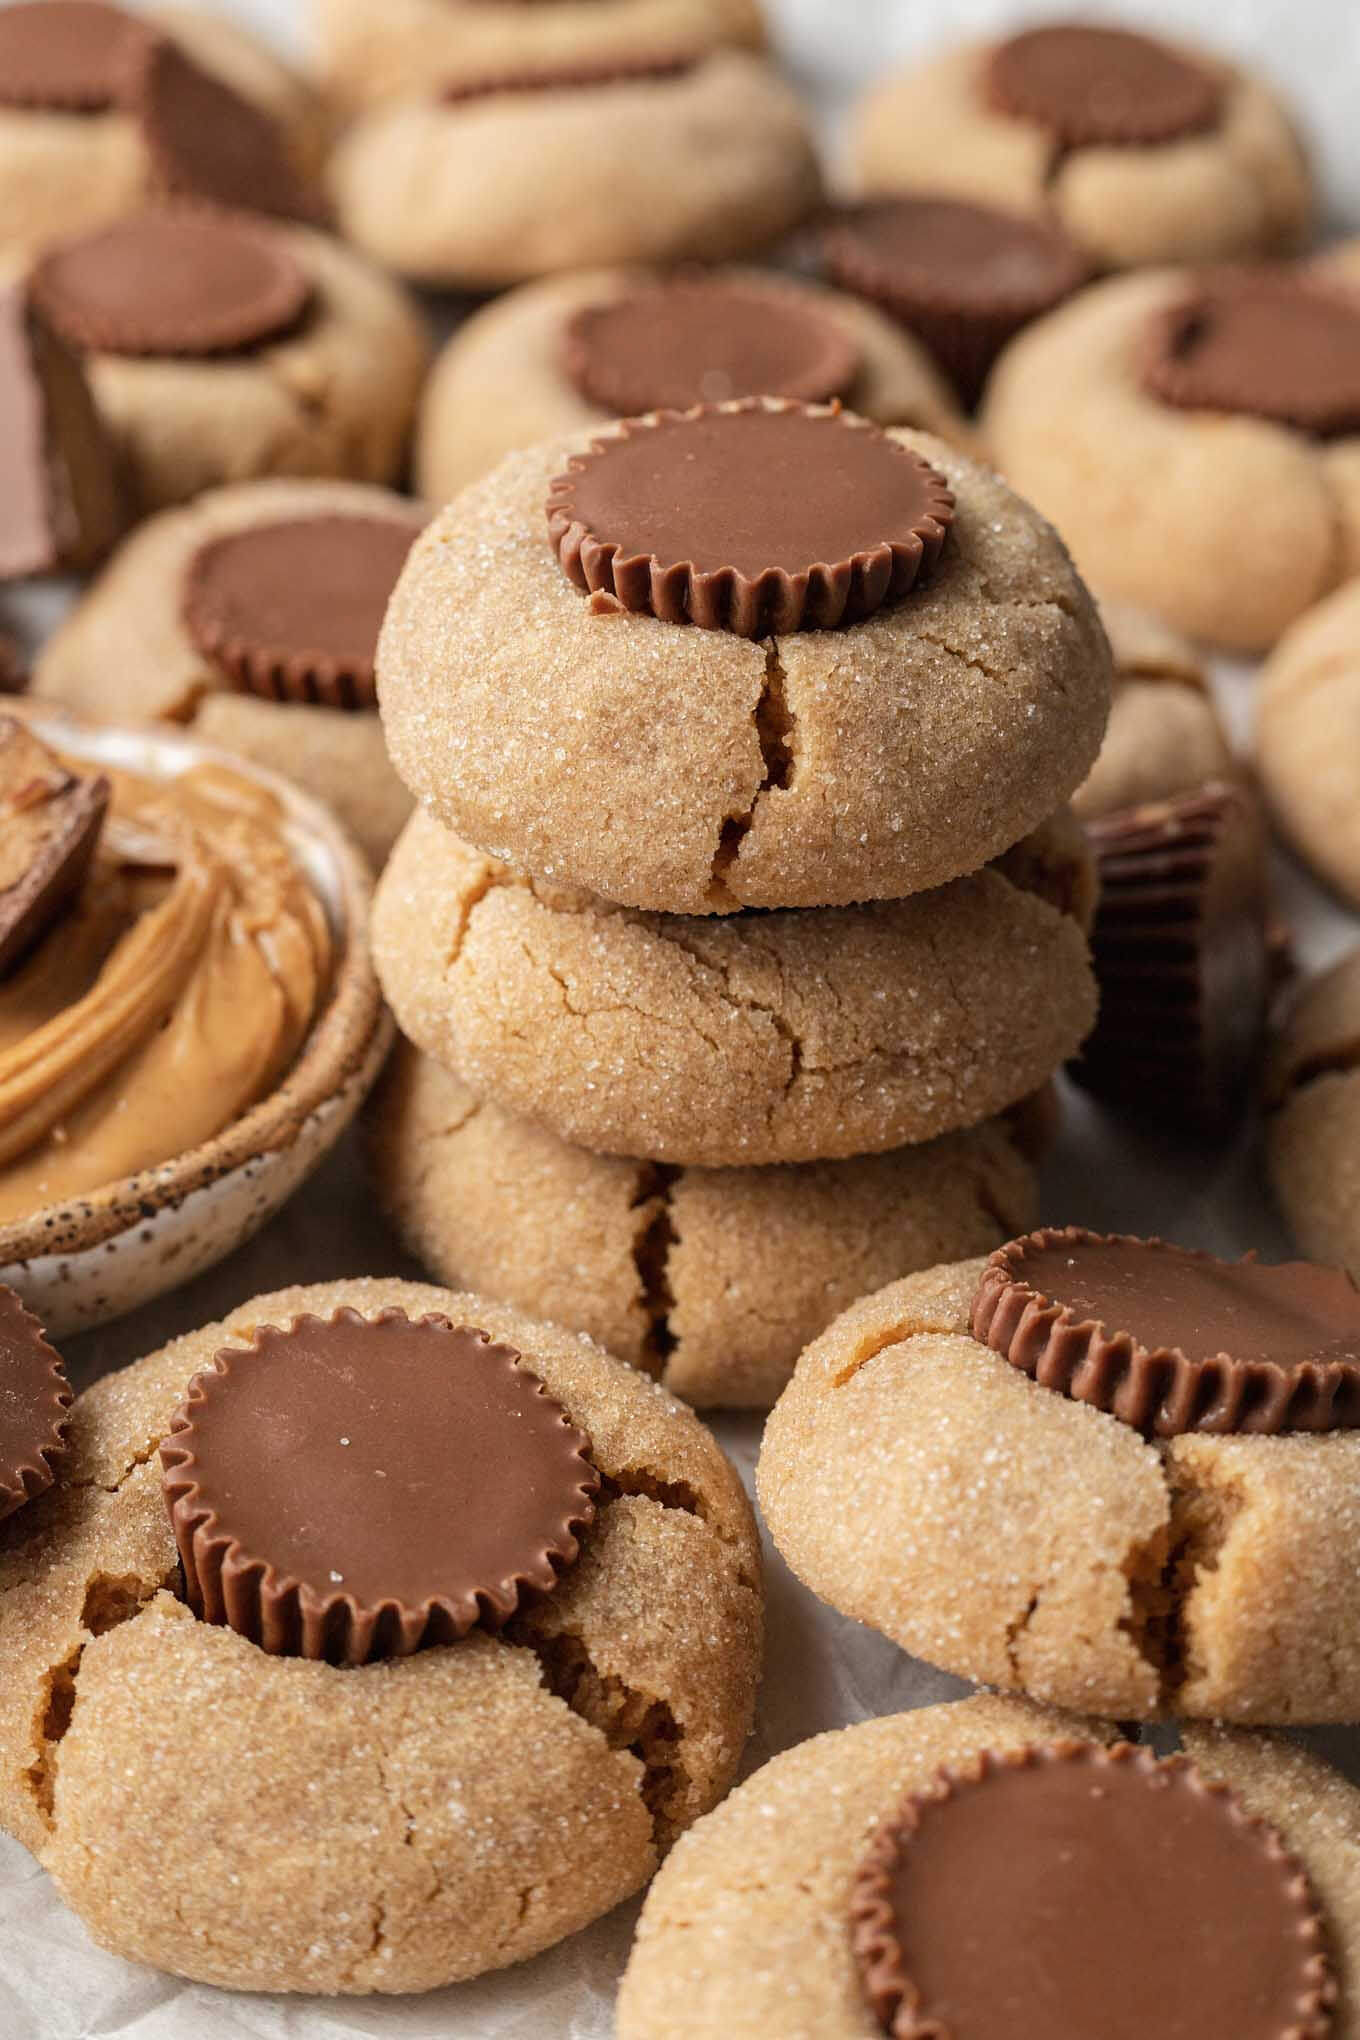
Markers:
point(712, 1279)
point(333, 548)
point(679, 158)
point(691, 770)
point(404, 1741)
point(575, 351)
point(1314, 1124)
point(1165, 736)
point(741, 1039)
point(1144, 151)
point(1307, 755)
point(787, 1910)
point(1011, 1526)
point(1196, 439)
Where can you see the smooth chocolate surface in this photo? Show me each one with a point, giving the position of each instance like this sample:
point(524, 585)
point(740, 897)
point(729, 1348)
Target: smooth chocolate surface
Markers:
point(350, 1489)
point(173, 280)
point(1069, 1892)
point(749, 517)
point(1266, 344)
point(706, 342)
point(49, 827)
point(1090, 86)
point(34, 1399)
point(292, 610)
point(61, 504)
point(207, 142)
point(66, 55)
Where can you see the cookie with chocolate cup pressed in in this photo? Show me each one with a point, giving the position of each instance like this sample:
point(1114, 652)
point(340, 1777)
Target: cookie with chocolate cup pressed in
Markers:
point(1307, 762)
point(511, 1476)
point(711, 1279)
point(1165, 735)
point(103, 110)
point(684, 157)
point(575, 351)
point(220, 347)
point(1196, 438)
point(1141, 150)
point(251, 615)
point(382, 49)
point(1313, 1123)
point(901, 1875)
point(693, 770)
point(738, 1039)
point(907, 1476)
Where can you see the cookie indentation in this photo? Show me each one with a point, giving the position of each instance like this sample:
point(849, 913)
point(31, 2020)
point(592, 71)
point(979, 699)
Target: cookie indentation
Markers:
point(754, 517)
point(207, 142)
point(1264, 344)
point(49, 827)
point(353, 1488)
point(696, 341)
point(1052, 1892)
point(962, 277)
point(1101, 86)
point(34, 1400)
point(292, 610)
point(1180, 946)
point(66, 56)
point(172, 280)
point(1170, 1340)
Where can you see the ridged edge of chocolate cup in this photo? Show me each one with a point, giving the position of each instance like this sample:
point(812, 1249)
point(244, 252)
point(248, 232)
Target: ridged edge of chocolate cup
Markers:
point(226, 1585)
point(841, 355)
point(1158, 1391)
point(1175, 1035)
point(277, 314)
point(26, 1478)
point(892, 1993)
point(823, 597)
point(1172, 381)
point(313, 679)
point(964, 340)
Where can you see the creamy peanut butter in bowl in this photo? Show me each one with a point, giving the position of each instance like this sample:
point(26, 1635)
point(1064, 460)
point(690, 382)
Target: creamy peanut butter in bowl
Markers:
point(188, 1015)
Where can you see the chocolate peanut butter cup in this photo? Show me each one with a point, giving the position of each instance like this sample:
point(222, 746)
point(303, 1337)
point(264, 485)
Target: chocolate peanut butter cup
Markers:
point(608, 68)
point(35, 1398)
point(67, 56)
point(172, 280)
point(49, 827)
point(964, 278)
point(1095, 87)
point(706, 341)
point(353, 1488)
point(1169, 1340)
point(207, 142)
point(1262, 343)
point(60, 507)
point(1182, 954)
point(1061, 1891)
point(292, 610)
point(753, 517)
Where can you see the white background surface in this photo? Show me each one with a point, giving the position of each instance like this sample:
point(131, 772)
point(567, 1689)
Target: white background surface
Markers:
point(821, 1672)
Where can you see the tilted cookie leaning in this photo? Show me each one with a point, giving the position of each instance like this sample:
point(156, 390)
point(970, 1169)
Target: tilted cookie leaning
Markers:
point(1129, 1487)
point(382, 1667)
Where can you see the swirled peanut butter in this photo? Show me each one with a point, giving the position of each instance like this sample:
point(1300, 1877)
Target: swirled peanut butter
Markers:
point(172, 994)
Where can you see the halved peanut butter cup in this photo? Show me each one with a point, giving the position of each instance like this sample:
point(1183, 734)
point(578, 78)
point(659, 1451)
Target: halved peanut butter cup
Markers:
point(35, 1399)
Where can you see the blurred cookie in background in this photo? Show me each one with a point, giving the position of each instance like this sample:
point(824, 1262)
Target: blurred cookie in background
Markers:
point(1165, 735)
point(1308, 739)
point(1314, 1123)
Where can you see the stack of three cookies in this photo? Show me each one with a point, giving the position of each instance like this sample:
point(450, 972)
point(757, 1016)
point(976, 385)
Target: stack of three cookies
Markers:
point(741, 903)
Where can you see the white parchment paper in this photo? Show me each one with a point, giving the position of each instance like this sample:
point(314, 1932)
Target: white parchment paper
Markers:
point(821, 1671)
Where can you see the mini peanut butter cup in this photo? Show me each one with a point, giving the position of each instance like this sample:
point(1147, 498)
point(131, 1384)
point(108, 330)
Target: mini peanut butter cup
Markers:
point(608, 68)
point(1169, 1340)
point(292, 610)
point(350, 1488)
point(35, 1399)
point(49, 827)
point(1181, 948)
point(207, 142)
point(1065, 1890)
point(61, 505)
point(1091, 87)
point(1261, 343)
point(753, 517)
point(67, 56)
point(699, 340)
point(964, 278)
point(172, 280)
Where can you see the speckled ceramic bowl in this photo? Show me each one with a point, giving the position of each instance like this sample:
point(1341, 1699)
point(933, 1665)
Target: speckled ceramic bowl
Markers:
point(81, 1263)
